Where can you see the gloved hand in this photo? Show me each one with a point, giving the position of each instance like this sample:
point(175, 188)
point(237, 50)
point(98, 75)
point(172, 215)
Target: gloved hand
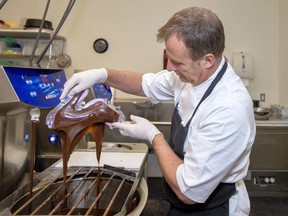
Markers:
point(83, 80)
point(141, 129)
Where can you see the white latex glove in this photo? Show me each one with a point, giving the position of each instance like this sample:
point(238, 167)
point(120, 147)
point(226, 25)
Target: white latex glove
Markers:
point(83, 80)
point(141, 129)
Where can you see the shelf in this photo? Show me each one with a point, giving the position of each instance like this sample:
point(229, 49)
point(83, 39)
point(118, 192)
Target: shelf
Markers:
point(26, 39)
point(31, 33)
point(20, 56)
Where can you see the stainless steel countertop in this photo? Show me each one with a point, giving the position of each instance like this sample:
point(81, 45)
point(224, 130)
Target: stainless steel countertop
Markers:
point(272, 122)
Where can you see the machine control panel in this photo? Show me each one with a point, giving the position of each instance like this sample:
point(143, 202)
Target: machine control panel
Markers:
point(101, 90)
point(37, 86)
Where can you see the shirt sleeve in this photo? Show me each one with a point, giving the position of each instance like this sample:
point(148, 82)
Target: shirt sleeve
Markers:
point(160, 86)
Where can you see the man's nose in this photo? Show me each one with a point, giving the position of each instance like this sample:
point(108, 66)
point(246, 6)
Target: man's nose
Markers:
point(170, 66)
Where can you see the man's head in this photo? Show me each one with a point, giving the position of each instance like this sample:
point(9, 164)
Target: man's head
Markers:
point(195, 41)
point(200, 29)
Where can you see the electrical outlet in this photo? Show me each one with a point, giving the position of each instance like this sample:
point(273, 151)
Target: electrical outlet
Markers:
point(262, 97)
point(264, 180)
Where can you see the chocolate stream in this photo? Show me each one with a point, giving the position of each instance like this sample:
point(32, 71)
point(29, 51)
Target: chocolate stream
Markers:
point(73, 124)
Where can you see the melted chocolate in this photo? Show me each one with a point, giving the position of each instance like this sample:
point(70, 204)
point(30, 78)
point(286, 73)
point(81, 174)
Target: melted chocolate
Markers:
point(73, 124)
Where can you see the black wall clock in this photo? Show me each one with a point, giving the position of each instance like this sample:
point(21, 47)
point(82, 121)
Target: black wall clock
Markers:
point(100, 45)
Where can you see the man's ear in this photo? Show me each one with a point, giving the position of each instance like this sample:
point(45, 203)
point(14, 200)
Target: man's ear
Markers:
point(208, 60)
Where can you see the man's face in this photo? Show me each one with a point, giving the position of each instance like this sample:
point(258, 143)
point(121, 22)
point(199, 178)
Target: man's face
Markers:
point(180, 61)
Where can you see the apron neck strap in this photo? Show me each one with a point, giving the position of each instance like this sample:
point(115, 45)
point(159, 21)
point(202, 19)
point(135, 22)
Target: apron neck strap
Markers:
point(209, 90)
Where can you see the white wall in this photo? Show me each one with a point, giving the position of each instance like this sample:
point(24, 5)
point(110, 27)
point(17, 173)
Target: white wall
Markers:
point(130, 27)
point(283, 42)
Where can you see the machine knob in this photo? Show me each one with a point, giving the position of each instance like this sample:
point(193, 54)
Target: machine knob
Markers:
point(53, 138)
point(272, 180)
point(26, 138)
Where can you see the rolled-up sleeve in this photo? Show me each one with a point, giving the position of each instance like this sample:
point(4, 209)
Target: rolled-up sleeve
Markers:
point(159, 86)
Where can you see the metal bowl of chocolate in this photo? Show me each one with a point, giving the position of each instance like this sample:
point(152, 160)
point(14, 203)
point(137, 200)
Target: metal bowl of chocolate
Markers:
point(262, 113)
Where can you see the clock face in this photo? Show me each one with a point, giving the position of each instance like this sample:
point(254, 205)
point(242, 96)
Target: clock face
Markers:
point(100, 45)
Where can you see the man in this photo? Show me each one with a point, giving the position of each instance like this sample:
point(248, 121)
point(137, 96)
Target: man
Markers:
point(213, 126)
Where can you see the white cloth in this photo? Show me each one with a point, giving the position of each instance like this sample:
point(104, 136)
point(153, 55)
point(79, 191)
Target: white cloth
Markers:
point(220, 136)
point(239, 203)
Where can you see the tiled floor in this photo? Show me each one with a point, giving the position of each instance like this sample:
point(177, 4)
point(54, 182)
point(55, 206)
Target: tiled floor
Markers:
point(260, 206)
point(269, 206)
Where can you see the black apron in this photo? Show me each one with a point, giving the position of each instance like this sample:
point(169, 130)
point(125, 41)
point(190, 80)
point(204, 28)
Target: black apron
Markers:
point(218, 201)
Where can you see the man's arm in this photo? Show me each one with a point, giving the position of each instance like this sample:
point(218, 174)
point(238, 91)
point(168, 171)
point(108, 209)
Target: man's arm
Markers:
point(126, 81)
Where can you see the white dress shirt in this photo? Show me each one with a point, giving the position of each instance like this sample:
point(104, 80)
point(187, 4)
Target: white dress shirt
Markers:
point(220, 136)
